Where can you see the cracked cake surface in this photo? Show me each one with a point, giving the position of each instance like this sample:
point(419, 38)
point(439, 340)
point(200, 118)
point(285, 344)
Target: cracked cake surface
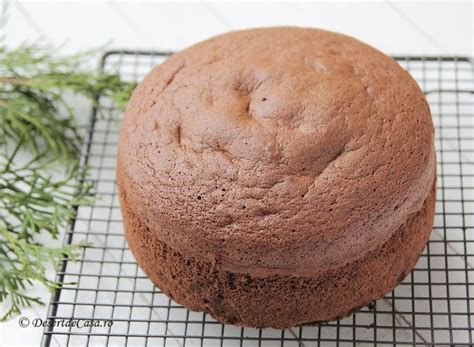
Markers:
point(276, 152)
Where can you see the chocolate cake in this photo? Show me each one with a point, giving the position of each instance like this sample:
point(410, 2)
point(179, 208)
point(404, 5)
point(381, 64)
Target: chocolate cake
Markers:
point(276, 177)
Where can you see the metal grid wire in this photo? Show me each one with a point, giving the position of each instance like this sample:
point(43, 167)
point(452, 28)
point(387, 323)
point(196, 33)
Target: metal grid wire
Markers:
point(433, 305)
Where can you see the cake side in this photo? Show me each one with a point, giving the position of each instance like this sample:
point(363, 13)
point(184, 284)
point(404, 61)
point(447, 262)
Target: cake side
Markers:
point(278, 301)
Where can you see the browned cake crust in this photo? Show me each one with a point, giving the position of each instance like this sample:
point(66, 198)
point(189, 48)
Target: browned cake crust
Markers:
point(275, 177)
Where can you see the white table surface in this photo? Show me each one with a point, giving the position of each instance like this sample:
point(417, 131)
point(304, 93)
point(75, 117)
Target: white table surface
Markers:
point(395, 27)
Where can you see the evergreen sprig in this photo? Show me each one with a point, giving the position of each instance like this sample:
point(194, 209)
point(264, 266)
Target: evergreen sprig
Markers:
point(40, 194)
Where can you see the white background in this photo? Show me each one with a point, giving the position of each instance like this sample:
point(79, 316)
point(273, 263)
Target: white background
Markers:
point(392, 26)
point(395, 27)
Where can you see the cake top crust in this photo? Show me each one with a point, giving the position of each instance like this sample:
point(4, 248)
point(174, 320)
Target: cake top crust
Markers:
point(277, 150)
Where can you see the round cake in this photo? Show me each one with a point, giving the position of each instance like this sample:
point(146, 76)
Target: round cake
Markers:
point(276, 177)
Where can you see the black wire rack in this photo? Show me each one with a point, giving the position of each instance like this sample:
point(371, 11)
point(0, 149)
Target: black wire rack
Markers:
point(434, 305)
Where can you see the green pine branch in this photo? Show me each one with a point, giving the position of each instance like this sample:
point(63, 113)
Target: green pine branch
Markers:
point(39, 195)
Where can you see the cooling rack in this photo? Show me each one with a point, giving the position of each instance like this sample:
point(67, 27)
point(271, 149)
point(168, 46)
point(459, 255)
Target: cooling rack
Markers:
point(432, 306)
